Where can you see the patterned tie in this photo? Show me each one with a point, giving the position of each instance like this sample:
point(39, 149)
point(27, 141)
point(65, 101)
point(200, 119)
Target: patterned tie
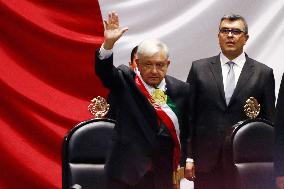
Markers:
point(230, 84)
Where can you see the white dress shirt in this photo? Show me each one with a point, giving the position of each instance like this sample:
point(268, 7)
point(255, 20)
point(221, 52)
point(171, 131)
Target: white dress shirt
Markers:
point(104, 54)
point(239, 64)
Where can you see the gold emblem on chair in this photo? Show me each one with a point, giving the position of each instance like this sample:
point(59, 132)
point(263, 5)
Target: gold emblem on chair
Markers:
point(159, 97)
point(252, 108)
point(99, 107)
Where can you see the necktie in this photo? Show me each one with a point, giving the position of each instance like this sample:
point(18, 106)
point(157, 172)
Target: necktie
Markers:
point(230, 84)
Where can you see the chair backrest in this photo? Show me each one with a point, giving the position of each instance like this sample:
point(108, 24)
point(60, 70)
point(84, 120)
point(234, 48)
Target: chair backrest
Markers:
point(248, 154)
point(84, 152)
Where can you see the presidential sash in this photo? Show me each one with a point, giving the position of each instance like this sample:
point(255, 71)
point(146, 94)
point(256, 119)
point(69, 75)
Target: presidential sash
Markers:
point(166, 111)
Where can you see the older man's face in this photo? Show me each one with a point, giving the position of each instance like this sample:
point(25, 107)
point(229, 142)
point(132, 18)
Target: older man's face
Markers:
point(153, 68)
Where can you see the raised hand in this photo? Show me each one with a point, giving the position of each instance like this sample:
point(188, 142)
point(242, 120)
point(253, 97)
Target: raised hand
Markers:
point(112, 30)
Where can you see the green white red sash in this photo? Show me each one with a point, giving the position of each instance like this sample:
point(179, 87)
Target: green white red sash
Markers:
point(168, 115)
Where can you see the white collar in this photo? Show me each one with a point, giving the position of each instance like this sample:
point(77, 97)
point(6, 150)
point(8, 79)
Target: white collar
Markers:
point(239, 61)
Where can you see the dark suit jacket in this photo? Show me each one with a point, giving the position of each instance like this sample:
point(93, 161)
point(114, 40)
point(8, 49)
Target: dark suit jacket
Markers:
point(211, 117)
point(135, 132)
point(112, 106)
point(279, 132)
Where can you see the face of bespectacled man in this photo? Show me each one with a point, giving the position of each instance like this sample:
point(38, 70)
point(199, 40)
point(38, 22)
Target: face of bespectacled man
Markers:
point(153, 68)
point(232, 38)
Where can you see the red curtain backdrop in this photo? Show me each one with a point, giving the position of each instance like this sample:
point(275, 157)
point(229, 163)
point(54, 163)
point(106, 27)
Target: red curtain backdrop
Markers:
point(47, 82)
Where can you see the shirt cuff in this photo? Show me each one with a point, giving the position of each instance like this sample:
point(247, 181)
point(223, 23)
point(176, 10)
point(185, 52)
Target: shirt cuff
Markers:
point(189, 160)
point(103, 53)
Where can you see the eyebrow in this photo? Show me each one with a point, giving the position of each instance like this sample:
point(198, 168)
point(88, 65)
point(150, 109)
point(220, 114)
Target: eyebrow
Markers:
point(230, 28)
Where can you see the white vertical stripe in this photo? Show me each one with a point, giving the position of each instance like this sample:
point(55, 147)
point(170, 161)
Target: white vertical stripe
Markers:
point(174, 119)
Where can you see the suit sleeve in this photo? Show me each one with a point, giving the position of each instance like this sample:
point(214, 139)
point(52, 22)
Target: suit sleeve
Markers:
point(191, 108)
point(268, 103)
point(106, 71)
point(191, 79)
point(185, 133)
point(111, 99)
point(279, 132)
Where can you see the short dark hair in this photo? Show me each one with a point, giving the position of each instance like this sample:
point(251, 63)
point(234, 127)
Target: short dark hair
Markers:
point(233, 17)
point(133, 52)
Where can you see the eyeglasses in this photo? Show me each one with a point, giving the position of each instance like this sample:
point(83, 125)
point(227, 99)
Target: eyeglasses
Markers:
point(226, 31)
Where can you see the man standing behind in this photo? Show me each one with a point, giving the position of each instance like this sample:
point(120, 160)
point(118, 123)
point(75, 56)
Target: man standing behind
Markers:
point(133, 58)
point(279, 138)
point(220, 87)
point(149, 139)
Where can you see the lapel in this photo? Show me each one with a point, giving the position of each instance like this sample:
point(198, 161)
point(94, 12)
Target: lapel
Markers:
point(246, 74)
point(170, 88)
point(151, 129)
point(215, 67)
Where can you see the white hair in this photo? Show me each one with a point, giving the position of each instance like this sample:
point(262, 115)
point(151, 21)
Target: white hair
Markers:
point(149, 47)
